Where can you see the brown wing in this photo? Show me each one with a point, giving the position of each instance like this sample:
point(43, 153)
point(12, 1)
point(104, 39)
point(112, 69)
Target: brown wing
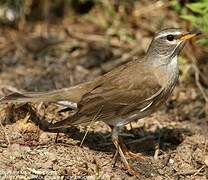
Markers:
point(122, 91)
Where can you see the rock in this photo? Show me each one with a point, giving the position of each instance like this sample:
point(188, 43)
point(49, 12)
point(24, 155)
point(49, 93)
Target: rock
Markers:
point(206, 160)
point(52, 157)
point(171, 161)
point(15, 150)
point(47, 165)
point(43, 139)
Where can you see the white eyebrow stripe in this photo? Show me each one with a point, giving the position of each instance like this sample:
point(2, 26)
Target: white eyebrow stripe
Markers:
point(167, 33)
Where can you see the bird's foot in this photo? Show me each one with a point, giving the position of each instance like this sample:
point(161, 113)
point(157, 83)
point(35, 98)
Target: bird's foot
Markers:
point(131, 154)
point(138, 156)
point(120, 150)
point(131, 171)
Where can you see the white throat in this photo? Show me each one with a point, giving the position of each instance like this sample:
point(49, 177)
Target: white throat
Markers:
point(173, 65)
point(168, 73)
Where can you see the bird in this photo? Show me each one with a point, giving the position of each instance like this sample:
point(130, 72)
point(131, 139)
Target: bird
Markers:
point(127, 93)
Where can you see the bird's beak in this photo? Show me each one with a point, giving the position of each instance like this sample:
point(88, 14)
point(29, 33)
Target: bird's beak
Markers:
point(189, 36)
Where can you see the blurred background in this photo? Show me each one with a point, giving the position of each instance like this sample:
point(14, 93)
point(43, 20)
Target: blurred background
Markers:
point(47, 45)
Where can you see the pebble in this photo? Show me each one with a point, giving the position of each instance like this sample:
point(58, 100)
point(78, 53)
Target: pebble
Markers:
point(47, 165)
point(52, 157)
point(171, 161)
point(43, 139)
point(206, 160)
point(15, 150)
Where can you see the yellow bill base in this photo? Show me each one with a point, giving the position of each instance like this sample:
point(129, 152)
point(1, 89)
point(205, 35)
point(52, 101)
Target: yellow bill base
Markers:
point(187, 36)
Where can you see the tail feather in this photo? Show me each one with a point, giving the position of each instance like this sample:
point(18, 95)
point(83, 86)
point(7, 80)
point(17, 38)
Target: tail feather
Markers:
point(71, 94)
point(23, 98)
point(14, 97)
point(32, 97)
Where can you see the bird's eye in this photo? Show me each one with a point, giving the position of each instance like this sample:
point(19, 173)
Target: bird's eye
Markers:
point(170, 37)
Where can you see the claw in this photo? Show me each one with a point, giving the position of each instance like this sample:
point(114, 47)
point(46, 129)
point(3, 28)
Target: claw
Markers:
point(121, 150)
point(138, 156)
point(133, 172)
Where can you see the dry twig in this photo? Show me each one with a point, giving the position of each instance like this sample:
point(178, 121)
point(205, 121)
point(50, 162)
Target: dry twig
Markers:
point(198, 171)
point(93, 120)
point(198, 74)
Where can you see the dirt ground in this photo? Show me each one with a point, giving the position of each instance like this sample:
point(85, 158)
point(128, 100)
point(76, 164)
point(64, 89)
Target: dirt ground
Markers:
point(50, 56)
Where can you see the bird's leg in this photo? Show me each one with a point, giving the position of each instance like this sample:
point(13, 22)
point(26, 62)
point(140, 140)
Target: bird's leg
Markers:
point(115, 158)
point(115, 140)
point(57, 136)
point(130, 153)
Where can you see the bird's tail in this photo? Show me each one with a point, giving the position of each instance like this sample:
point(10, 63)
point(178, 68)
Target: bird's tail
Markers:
point(31, 97)
point(67, 97)
point(71, 94)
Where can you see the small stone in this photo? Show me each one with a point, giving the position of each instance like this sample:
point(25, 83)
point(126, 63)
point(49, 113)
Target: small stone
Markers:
point(14, 147)
point(43, 139)
point(171, 161)
point(206, 160)
point(15, 150)
point(47, 165)
point(4, 145)
point(26, 149)
point(52, 157)
point(92, 177)
point(160, 171)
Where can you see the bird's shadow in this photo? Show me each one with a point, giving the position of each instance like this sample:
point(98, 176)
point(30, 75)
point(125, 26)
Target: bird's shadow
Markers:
point(136, 139)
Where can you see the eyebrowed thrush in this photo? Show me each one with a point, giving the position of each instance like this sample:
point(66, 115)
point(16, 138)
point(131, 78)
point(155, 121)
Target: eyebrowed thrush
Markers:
point(125, 94)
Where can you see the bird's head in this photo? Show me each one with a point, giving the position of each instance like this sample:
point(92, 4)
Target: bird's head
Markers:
point(168, 43)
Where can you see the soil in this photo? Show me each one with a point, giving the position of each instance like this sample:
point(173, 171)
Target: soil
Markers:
point(173, 141)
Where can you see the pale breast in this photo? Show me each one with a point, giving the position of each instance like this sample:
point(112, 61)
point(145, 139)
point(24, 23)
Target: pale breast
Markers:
point(168, 76)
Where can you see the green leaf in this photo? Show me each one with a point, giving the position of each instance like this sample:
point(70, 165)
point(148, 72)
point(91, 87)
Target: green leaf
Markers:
point(200, 22)
point(200, 7)
point(191, 18)
point(176, 5)
point(203, 42)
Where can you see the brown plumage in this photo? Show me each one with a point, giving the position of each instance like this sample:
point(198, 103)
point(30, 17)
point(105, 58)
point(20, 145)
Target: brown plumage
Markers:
point(127, 93)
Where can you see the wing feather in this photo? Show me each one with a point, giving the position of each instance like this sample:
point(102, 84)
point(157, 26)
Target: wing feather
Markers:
point(119, 95)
